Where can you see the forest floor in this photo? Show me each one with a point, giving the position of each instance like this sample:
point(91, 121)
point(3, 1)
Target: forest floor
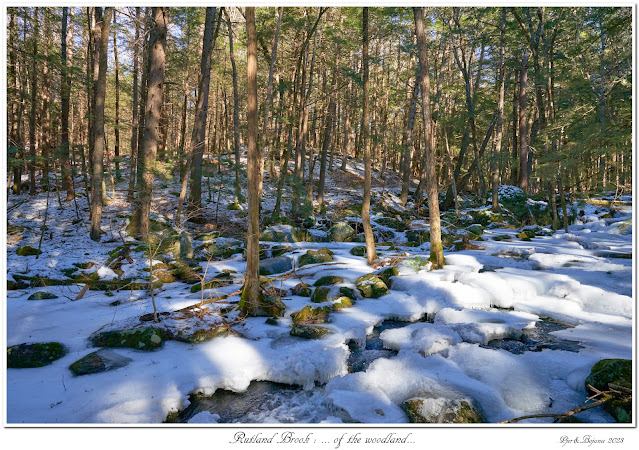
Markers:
point(512, 324)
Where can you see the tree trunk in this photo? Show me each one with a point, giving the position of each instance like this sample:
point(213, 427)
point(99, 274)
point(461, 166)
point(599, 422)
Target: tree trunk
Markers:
point(101, 42)
point(155, 93)
point(236, 118)
point(199, 126)
point(117, 97)
point(500, 114)
point(436, 249)
point(327, 136)
point(66, 50)
point(523, 133)
point(407, 146)
point(371, 255)
point(251, 295)
point(134, 112)
point(34, 104)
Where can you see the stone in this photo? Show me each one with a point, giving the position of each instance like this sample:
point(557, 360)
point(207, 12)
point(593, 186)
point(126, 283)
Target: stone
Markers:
point(275, 265)
point(341, 232)
point(165, 276)
point(451, 408)
point(526, 235)
point(28, 251)
point(284, 233)
point(309, 331)
point(615, 371)
point(303, 290)
point(322, 255)
point(419, 236)
point(268, 306)
point(390, 222)
point(271, 321)
point(185, 246)
point(145, 338)
point(42, 295)
point(371, 286)
point(202, 334)
point(102, 360)
point(342, 302)
point(309, 314)
point(348, 292)
point(359, 250)
point(320, 294)
point(327, 280)
point(15, 285)
point(34, 355)
point(234, 206)
point(386, 274)
point(475, 229)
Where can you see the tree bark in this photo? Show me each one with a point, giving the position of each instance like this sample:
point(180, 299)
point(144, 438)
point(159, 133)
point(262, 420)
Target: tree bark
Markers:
point(236, 117)
point(66, 50)
point(523, 133)
point(251, 295)
point(155, 93)
point(500, 114)
point(34, 104)
point(117, 97)
point(135, 106)
point(371, 254)
point(436, 249)
point(101, 42)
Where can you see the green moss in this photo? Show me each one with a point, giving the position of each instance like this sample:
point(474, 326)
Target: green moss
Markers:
point(28, 251)
point(34, 355)
point(41, 295)
point(387, 273)
point(327, 280)
point(453, 412)
point(219, 280)
point(234, 206)
point(268, 305)
point(342, 302)
point(315, 257)
point(202, 334)
point(526, 235)
point(146, 338)
point(320, 294)
point(348, 292)
point(390, 222)
point(360, 250)
point(309, 331)
point(309, 314)
point(371, 286)
point(303, 290)
point(615, 371)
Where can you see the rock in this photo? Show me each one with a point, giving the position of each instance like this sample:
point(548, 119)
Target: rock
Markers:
point(309, 331)
point(329, 279)
point(42, 295)
point(526, 235)
point(34, 355)
point(279, 250)
point(202, 334)
point(284, 233)
point(342, 302)
point(309, 314)
point(278, 264)
point(165, 276)
point(320, 294)
point(223, 248)
point(615, 371)
point(145, 338)
point(341, 232)
point(360, 250)
point(234, 206)
point(390, 222)
point(475, 229)
point(303, 290)
point(28, 251)
point(102, 360)
point(15, 285)
point(348, 292)
point(184, 246)
point(386, 274)
point(322, 255)
point(371, 286)
point(183, 272)
point(419, 236)
point(361, 237)
point(451, 408)
point(271, 321)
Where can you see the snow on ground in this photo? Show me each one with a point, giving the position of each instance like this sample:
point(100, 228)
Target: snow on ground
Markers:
point(499, 292)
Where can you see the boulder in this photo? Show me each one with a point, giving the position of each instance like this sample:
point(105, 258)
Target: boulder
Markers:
point(34, 355)
point(284, 233)
point(341, 232)
point(320, 294)
point(386, 274)
point(615, 371)
point(475, 229)
point(184, 246)
point(309, 314)
point(348, 292)
point(28, 251)
point(342, 302)
point(268, 306)
point(102, 360)
point(327, 280)
point(278, 264)
point(145, 338)
point(202, 334)
point(450, 408)
point(309, 331)
point(42, 295)
point(391, 222)
point(322, 255)
point(526, 235)
point(303, 290)
point(419, 236)
point(359, 250)
point(371, 286)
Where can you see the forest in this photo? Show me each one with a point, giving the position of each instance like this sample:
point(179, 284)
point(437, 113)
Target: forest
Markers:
point(282, 206)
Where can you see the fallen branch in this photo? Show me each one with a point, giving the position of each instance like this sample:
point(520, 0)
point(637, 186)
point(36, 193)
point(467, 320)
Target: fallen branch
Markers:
point(210, 300)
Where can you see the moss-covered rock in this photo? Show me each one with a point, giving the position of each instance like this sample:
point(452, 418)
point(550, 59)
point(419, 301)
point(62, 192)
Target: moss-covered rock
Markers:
point(348, 292)
point(309, 331)
point(15, 285)
point(328, 280)
point(425, 409)
point(303, 290)
point(308, 314)
point(386, 274)
point(502, 237)
point(475, 228)
point(42, 295)
point(145, 338)
point(322, 255)
point(202, 334)
point(102, 360)
point(234, 206)
point(391, 222)
point(165, 276)
point(615, 371)
point(284, 233)
point(184, 272)
point(371, 286)
point(341, 232)
point(360, 250)
point(27, 250)
point(419, 236)
point(320, 294)
point(34, 355)
point(342, 302)
point(268, 306)
point(219, 280)
point(526, 235)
